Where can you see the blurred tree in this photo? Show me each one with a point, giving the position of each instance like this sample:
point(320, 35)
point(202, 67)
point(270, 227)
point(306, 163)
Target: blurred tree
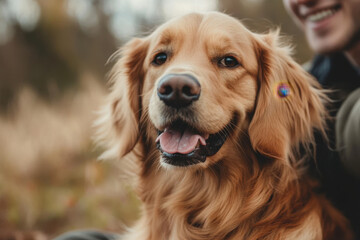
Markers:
point(50, 56)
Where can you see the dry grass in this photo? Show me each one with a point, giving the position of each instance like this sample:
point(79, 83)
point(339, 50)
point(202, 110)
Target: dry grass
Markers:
point(49, 177)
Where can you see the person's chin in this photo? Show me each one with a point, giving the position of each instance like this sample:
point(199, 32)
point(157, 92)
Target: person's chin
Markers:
point(328, 44)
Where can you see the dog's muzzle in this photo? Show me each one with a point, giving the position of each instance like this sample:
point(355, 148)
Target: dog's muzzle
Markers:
point(180, 143)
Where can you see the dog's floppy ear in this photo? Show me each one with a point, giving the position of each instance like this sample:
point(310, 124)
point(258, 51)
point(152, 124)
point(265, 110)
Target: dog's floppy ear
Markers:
point(118, 124)
point(289, 102)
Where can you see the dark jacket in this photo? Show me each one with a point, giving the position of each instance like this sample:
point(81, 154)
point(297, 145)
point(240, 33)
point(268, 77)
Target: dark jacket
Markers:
point(335, 72)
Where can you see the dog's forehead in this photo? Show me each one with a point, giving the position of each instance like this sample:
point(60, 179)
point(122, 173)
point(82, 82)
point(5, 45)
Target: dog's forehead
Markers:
point(211, 35)
point(214, 26)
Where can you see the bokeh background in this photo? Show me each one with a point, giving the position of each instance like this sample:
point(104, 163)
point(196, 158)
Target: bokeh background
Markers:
point(53, 65)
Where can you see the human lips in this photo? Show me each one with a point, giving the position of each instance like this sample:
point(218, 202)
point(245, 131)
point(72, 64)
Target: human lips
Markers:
point(319, 14)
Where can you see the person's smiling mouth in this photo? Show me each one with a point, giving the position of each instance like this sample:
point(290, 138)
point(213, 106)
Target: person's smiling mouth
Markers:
point(320, 14)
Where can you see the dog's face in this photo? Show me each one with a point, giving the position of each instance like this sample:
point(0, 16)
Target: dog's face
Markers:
point(199, 83)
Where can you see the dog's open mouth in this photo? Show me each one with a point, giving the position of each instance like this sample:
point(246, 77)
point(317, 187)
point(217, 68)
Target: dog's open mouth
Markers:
point(181, 145)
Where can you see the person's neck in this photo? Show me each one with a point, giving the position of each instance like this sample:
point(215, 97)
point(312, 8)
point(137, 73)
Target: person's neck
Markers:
point(353, 54)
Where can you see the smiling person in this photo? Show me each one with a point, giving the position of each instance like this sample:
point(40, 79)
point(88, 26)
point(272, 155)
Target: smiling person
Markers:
point(332, 29)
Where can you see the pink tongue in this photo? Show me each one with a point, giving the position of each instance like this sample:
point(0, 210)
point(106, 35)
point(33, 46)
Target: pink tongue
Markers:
point(174, 141)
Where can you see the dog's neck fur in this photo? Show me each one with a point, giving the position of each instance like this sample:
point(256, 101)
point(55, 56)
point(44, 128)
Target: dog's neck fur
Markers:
point(189, 201)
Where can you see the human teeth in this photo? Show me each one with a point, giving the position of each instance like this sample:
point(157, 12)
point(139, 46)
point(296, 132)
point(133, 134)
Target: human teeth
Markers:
point(321, 15)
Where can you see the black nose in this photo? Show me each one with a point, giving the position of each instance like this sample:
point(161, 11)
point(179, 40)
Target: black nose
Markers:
point(178, 90)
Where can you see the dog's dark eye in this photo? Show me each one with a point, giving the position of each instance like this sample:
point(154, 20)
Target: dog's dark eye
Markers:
point(228, 62)
point(160, 59)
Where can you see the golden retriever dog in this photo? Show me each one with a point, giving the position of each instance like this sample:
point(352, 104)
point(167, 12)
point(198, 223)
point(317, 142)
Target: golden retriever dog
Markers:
point(215, 117)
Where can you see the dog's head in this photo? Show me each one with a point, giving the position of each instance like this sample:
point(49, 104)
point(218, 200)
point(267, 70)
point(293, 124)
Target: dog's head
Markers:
point(201, 82)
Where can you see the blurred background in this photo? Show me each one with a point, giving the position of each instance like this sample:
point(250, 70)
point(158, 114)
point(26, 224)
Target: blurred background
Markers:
point(53, 56)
